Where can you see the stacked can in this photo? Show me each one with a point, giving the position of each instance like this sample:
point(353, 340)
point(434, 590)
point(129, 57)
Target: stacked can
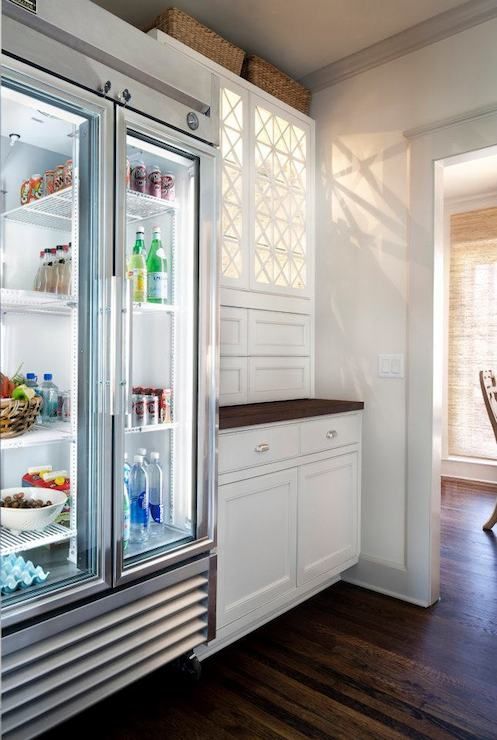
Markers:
point(151, 406)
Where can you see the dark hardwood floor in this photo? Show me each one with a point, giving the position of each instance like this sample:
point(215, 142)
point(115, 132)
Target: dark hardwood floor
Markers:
point(349, 663)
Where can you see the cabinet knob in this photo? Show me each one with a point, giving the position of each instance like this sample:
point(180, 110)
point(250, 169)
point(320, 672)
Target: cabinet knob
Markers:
point(105, 87)
point(264, 447)
point(331, 434)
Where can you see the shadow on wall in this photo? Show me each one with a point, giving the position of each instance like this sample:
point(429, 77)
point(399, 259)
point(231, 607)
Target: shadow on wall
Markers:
point(361, 310)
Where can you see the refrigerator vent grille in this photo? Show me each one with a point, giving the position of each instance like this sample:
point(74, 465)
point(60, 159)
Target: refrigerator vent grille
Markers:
point(46, 682)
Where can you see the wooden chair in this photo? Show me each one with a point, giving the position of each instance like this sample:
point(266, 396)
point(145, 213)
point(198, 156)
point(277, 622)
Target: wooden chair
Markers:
point(488, 385)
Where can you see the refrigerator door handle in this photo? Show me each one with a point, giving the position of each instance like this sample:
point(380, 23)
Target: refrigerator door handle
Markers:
point(128, 349)
point(115, 301)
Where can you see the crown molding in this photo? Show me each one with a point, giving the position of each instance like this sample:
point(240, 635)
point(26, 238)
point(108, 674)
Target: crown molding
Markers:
point(427, 32)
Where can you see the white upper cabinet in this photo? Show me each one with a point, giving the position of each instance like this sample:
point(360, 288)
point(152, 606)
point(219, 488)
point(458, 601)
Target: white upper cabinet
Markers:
point(267, 195)
point(234, 187)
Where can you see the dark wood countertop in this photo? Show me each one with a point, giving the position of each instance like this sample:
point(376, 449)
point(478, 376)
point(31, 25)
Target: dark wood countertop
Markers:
point(249, 414)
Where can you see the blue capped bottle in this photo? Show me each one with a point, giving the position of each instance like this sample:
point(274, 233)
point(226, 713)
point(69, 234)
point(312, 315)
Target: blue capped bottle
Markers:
point(139, 502)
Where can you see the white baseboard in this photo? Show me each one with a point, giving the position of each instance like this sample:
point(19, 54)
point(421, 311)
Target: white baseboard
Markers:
point(235, 631)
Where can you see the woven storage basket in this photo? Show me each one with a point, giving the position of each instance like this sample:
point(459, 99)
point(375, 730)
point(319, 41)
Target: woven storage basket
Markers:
point(277, 83)
point(17, 417)
point(189, 31)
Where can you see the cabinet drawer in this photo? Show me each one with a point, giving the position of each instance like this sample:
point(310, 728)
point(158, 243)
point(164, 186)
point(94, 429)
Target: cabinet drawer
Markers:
point(329, 432)
point(278, 334)
point(257, 446)
point(233, 331)
point(232, 381)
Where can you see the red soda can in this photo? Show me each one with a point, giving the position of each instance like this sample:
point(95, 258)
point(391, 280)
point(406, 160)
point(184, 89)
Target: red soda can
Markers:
point(68, 173)
point(49, 182)
point(154, 181)
point(168, 191)
point(152, 409)
point(25, 192)
point(35, 187)
point(164, 396)
point(59, 177)
point(138, 410)
point(139, 177)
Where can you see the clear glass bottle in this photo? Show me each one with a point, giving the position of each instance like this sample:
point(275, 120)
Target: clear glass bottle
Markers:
point(156, 270)
point(60, 267)
point(137, 268)
point(40, 273)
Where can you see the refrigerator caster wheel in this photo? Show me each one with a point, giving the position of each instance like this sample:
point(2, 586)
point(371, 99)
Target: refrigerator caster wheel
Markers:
point(190, 668)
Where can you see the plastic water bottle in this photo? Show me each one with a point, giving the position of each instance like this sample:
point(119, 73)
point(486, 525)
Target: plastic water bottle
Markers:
point(126, 504)
point(156, 482)
point(143, 452)
point(139, 499)
point(50, 395)
point(126, 518)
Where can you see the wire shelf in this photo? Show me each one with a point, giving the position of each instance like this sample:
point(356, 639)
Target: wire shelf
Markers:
point(12, 542)
point(21, 301)
point(149, 428)
point(140, 206)
point(50, 212)
point(153, 308)
point(39, 435)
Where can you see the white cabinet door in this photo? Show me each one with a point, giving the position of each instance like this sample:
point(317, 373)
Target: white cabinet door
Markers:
point(328, 516)
point(257, 543)
point(233, 332)
point(278, 378)
point(232, 381)
point(278, 334)
point(234, 186)
point(281, 215)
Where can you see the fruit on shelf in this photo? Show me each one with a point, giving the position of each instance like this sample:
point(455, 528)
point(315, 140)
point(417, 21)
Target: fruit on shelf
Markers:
point(9, 385)
point(23, 393)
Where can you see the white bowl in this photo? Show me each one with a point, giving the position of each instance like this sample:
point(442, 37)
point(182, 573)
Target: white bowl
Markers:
point(26, 520)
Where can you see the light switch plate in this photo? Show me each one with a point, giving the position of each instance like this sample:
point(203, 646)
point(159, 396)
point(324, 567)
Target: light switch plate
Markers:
point(391, 366)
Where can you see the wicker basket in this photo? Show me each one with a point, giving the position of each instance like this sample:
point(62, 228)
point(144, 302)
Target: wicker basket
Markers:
point(17, 417)
point(189, 31)
point(277, 83)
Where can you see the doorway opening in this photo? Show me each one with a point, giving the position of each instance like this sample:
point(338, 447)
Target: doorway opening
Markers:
point(469, 348)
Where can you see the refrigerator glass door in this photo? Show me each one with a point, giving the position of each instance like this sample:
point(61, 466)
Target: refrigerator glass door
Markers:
point(159, 489)
point(52, 429)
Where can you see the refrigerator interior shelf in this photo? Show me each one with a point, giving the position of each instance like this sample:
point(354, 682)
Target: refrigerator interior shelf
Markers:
point(39, 435)
point(13, 542)
point(149, 428)
point(169, 535)
point(140, 206)
point(50, 212)
point(153, 308)
point(35, 301)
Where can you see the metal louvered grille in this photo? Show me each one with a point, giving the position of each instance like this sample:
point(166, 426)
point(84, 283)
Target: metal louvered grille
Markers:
point(46, 681)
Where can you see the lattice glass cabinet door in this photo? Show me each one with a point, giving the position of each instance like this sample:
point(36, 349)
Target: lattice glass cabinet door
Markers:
point(234, 259)
point(280, 250)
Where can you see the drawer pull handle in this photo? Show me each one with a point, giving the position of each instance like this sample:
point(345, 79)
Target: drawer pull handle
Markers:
point(264, 447)
point(331, 434)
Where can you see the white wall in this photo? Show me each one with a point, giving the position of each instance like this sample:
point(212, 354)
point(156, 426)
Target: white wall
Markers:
point(362, 257)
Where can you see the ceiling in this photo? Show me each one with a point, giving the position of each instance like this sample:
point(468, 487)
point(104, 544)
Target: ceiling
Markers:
point(296, 36)
point(468, 179)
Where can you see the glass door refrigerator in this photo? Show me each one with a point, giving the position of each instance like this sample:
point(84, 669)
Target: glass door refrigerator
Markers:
point(56, 227)
point(109, 395)
point(164, 393)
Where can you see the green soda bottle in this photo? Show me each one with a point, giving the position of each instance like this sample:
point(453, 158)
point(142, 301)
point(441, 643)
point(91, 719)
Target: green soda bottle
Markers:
point(156, 270)
point(137, 268)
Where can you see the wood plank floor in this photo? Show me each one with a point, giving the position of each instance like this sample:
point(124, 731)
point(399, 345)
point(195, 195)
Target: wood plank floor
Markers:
point(348, 664)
